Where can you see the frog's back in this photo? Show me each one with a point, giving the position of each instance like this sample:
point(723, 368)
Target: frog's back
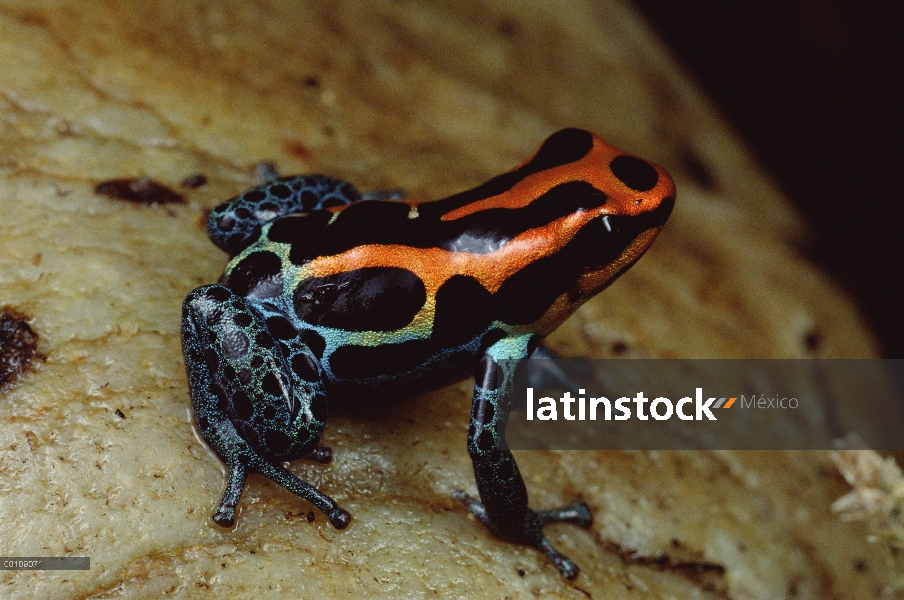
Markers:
point(391, 291)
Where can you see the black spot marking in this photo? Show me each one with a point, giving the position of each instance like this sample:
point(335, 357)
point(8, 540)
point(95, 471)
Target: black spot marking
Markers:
point(319, 407)
point(281, 328)
point(213, 361)
point(241, 405)
point(228, 373)
point(203, 423)
point(218, 293)
point(272, 384)
point(277, 442)
point(235, 344)
point(314, 341)
point(193, 181)
point(242, 319)
point(281, 191)
point(253, 196)
point(485, 441)
point(308, 200)
point(257, 361)
point(368, 299)
point(269, 412)
point(363, 362)
point(248, 432)
point(258, 275)
point(264, 340)
point(142, 190)
point(464, 309)
point(305, 367)
point(488, 412)
point(637, 174)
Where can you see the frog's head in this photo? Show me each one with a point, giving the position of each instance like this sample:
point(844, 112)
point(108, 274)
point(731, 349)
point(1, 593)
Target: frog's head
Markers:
point(606, 209)
point(639, 197)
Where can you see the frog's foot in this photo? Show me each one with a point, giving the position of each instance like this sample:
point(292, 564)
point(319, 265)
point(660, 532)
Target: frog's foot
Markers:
point(531, 531)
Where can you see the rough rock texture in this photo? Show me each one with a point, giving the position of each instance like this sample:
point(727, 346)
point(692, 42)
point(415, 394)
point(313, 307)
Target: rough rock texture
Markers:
point(97, 454)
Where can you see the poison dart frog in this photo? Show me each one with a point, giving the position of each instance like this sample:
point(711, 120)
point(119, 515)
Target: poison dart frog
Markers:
point(330, 292)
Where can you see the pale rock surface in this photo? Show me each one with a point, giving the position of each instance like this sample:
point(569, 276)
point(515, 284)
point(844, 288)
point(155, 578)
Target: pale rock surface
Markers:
point(432, 98)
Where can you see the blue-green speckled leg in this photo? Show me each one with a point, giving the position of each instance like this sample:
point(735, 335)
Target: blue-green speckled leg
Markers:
point(503, 507)
point(238, 375)
point(236, 224)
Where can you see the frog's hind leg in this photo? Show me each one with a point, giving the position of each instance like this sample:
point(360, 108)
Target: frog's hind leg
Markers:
point(236, 224)
point(503, 505)
point(211, 312)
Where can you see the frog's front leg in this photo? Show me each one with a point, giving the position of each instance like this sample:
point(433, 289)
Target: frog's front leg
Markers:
point(236, 224)
point(257, 397)
point(503, 507)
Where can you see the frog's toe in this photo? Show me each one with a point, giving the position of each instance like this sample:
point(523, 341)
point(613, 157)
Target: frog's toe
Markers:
point(224, 516)
point(340, 518)
point(321, 454)
point(577, 513)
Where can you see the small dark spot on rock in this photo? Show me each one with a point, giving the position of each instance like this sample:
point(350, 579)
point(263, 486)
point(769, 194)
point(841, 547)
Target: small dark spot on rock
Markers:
point(298, 150)
point(193, 181)
point(697, 168)
point(619, 348)
point(508, 27)
point(18, 344)
point(860, 566)
point(521, 572)
point(142, 190)
point(120, 414)
point(311, 517)
point(311, 81)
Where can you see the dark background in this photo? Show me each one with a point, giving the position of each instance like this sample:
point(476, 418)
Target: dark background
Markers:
point(815, 89)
